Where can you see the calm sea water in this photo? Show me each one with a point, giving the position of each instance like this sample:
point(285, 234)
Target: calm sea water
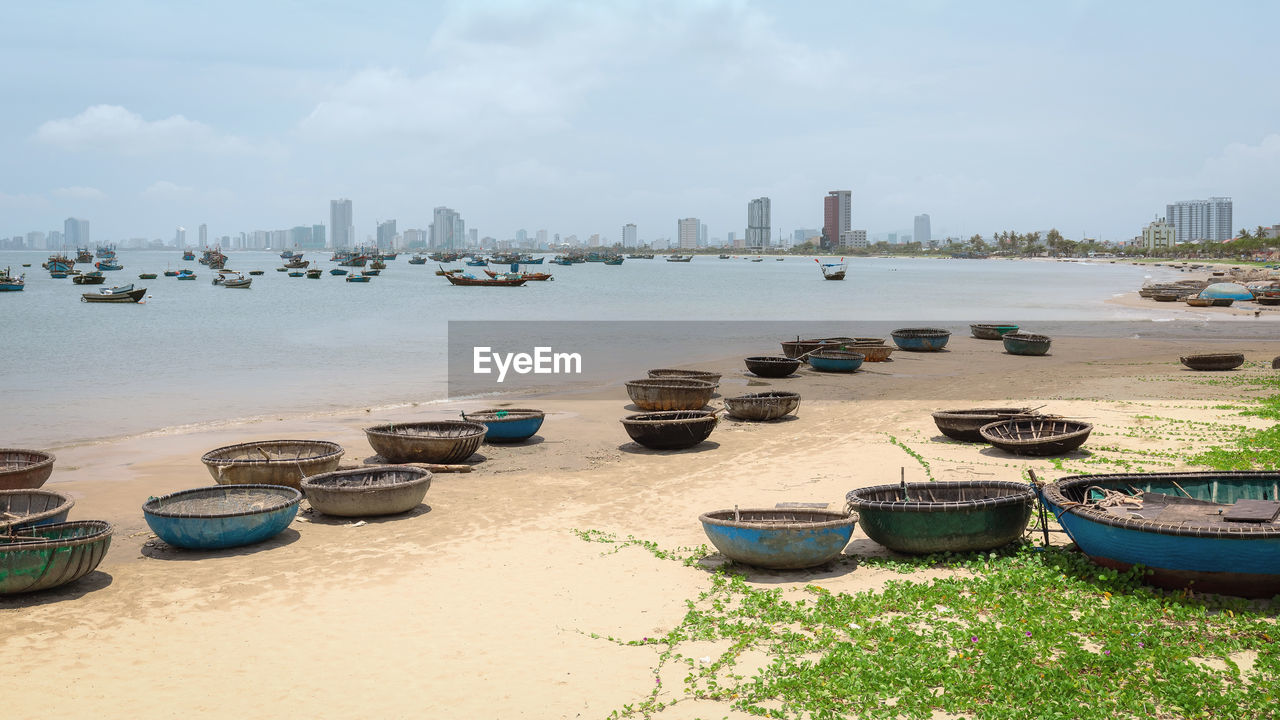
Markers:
point(196, 353)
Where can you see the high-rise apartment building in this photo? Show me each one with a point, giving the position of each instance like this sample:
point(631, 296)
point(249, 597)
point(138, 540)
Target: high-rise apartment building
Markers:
point(542, 239)
point(522, 236)
point(317, 237)
point(340, 224)
point(1201, 220)
point(837, 212)
point(386, 235)
point(854, 239)
point(300, 237)
point(180, 237)
point(758, 229)
point(446, 230)
point(75, 232)
point(687, 230)
point(1159, 235)
point(923, 233)
point(204, 235)
point(629, 235)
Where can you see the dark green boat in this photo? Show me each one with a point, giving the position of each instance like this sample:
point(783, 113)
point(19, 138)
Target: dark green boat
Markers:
point(47, 556)
point(944, 516)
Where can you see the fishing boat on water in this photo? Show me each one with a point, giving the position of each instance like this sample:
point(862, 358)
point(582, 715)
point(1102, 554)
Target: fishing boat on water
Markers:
point(106, 251)
point(58, 263)
point(359, 278)
point(502, 280)
point(214, 259)
point(83, 255)
point(680, 258)
point(185, 275)
point(613, 260)
point(287, 254)
point(418, 259)
point(122, 294)
point(188, 255)
point(833, 271)
point(531, 276)
point(108, 264)
point(478, 262)
point(239, 281)
point(93, 277)
point(314, 273)
point(297, 263)
point(9, 283)
point(297, 273)
point(640, 256)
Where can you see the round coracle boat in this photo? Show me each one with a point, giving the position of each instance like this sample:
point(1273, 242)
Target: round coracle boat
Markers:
point(20, 509)
point(657, 394)
point(772, 366)
point(507, 425)
point(872, 353)
point(763, 406)
point(992, 331)
point(1037, 436)
point(671, 429)
point(797, 347)
point(21, 469)
point(222, 516)
point(1024, 343)
point(921, 339)
point(368, 491)
point(707, 375)
point(964, 424)
point(944, 516)
point(777, 538)
point(1213, 361)
point(839, 361)
point(271, 462)
point(1213, 532)
point(47, 556)
point(439, 441)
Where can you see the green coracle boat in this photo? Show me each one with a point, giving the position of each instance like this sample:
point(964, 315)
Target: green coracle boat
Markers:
point(922, 518)
point(51, 555)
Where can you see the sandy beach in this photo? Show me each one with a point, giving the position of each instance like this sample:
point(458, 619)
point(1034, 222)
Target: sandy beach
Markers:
point(483, 602)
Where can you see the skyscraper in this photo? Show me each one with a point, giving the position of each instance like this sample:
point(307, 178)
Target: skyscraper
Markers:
point(758, 231)
point(629, 235)
point(922, 233)
point(340, 224)
point(447, 230)
point(180, 237)
point(687, 231)
point(521, 237)
point(317, 237)
point(75, 232)
point(1200, 220)
point(542, 239)
point(204, 235)
point(837, 211)
point(386, 235)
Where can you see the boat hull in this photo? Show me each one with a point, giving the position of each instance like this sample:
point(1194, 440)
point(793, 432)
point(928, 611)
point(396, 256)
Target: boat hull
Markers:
point(69, 552)
point(133, 296)
point(779, 545)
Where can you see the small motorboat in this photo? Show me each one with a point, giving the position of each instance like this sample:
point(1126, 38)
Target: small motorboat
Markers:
point(124, 294)
point(93, 277)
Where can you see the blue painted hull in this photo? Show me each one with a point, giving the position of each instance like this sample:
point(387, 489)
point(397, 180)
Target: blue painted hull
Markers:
point(779, 548)
point(921, 344)
point(501, 431)
point(844, 365)
point(221, 532)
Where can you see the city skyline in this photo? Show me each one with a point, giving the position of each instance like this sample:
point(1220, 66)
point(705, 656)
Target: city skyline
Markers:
point(523, 115)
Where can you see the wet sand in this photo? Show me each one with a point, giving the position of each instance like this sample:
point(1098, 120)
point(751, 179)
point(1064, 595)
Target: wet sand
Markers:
point(481, 603)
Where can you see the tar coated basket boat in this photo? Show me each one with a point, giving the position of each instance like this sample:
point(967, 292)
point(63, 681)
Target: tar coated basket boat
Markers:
point(921, 339)
point(991, 331)
point(763, 406)
point(272, 462)
point(368, 491)
point(707, 375)
point(670, 429)
point(964, 424)
point(772, 366)
point(1037, 436)
point(1023, 343)
point(836, 361)
point(222, 516)
point(658, 394)
point(21, 469)
point(48, 556)
point(1207, 531)
point(21, 509)
point(436, 441)
point(778, 538)
point(944, 516)
point(1213, 361)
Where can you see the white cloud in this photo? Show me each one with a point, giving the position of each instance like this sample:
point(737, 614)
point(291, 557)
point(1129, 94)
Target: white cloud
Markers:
point(76, 192)
point(115, 128)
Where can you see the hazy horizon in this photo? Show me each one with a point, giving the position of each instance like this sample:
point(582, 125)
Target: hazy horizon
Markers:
point(581, 117)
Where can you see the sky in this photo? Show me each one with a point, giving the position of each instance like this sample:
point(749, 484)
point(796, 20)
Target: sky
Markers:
point(580, 117)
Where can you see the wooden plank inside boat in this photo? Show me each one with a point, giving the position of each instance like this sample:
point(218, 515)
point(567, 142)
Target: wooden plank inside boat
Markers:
point(1253, 511)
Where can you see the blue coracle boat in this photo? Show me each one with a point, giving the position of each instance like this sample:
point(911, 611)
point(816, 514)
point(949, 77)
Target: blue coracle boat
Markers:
point(507, 425)
point(1211, 531)
point(779, 538)
point(921, 339)
point(836, 361)
point(222, 516)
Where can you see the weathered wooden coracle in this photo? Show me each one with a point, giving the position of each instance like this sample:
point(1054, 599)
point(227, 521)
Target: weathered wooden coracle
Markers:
point(47, 556)
point(368, 491)
point(438, 441)
point(931, 517)
point(921, 339)
point(1213, 361)
point(872, 353)
point(1025, 343)
point(20, 509)
point(671, 429)
point(964, 424)
point(657, 394)
point(222, 516)
point(707, 375)
point(838, 361)
point(21, 469)
point(272, 462)
point(1038, 436)
point(763, 406)
point(772, 366)
point(986, 331)
point(779, 538)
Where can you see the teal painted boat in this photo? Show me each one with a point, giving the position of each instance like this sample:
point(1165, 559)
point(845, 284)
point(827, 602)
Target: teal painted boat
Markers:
point(1024, 343)
point(48, 556)
point(922, 518)
point(222, 516)
point(778, 538)
point(921, 339)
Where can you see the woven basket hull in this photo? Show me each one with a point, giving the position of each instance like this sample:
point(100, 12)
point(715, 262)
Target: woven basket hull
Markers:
point(398, 447)
point(1022, 344)
point(920, 339)
point(871, 353)
point(670, 430)
point(220, 530)
point(772, 366)
point(965, 517)
point(836, 361)
point(396, 490)
point(29, 468)
point(71, 551)
point(991, 332)
point(1056, 442)
point(779, 539)
point(964, 425)
point(272, 462)
point(1216, 361)
point(517, 425)
point(670, 394)
point(21, 509)
point(763, 406)
point(711, 377)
